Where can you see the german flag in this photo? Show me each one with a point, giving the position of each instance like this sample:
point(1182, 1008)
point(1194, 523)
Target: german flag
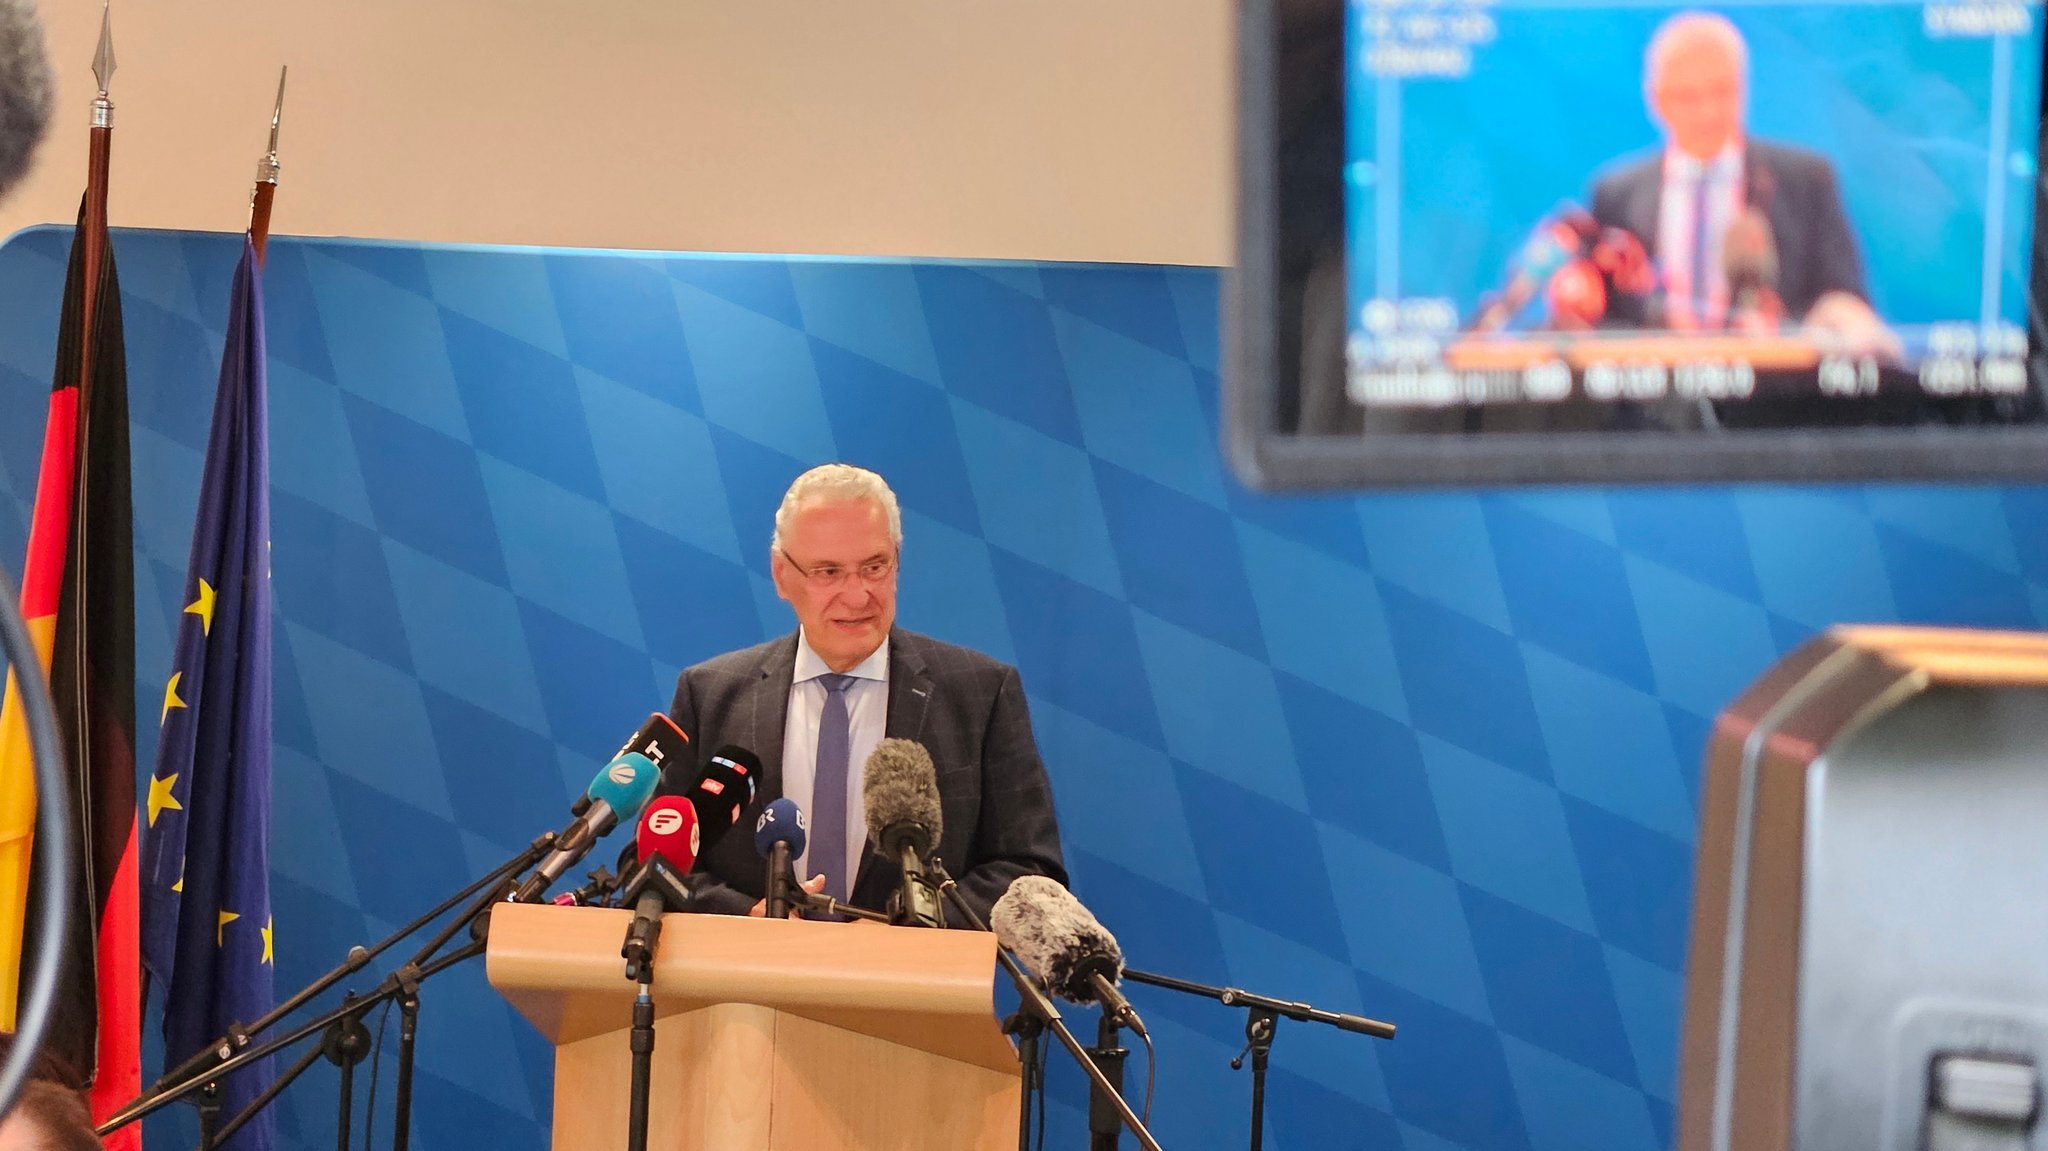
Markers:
point(79, 599)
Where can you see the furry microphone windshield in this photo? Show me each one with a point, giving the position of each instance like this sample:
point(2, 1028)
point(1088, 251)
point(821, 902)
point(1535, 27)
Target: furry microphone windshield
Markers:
point(1057, 938)
point(899, 790)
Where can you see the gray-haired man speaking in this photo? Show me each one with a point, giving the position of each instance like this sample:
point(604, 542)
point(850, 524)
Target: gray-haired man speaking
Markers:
point(814, 704)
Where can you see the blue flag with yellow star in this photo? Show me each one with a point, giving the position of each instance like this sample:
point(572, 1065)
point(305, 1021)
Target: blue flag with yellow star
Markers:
point(206, 928)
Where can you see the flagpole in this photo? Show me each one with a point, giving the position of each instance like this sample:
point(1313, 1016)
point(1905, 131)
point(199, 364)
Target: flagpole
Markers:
point(99, 162)
point(93, 240)
point(267, 170)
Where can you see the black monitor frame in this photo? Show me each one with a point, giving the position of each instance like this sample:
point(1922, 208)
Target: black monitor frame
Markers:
point(1269, 456)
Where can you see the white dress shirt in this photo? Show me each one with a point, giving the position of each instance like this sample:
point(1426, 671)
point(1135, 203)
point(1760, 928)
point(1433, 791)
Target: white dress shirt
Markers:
point(867, 714)
point(1675, 238)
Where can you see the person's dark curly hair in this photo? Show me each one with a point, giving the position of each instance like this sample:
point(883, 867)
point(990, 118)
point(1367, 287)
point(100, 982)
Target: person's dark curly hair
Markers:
point(51, 1114)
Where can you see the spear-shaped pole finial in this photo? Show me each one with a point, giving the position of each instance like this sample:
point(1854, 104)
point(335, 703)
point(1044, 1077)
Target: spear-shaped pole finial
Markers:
point(267, 170)
point(103, 68)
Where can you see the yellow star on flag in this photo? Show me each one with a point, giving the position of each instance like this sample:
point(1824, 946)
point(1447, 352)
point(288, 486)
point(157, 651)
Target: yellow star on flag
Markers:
point(220, 929)
point(267, 941)
point(160, 797)
point(179, 886)
point(203, 608)
point(171, 699)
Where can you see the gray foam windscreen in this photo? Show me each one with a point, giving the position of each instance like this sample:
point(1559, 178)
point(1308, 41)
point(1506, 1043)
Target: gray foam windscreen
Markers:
point(25, 90)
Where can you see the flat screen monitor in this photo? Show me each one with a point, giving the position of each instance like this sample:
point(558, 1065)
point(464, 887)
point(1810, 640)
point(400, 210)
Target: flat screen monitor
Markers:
point(1556, 241)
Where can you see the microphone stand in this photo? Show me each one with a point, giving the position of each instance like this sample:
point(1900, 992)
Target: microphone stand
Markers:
point(820, 902)
point(778, 880)
point(643, 1062)
point(1027, 1028)
point(1262, 1016)
point(352, 1010)
point(1040, 1004)
point(348, 1041)
point(657, 890)
point(916, 903)
point(1108, 1054)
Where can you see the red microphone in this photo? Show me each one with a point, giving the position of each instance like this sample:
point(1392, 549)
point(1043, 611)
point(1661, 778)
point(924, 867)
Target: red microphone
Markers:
point(667, 841)
point(1577, 297)
point(668, 828)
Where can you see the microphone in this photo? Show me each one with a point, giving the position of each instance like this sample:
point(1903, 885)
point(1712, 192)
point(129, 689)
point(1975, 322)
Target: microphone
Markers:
point(1552, 247)
point(669, 830)
point(779, 835)
point(25, 90)
point(1069, 949)
point(1576, 297)
point(900, 795)
point(667, 842)
point(660, 740)
point(718, 793)
point(724, 789)
point(620, 790)
point(1749, 260)
point(1635, 293)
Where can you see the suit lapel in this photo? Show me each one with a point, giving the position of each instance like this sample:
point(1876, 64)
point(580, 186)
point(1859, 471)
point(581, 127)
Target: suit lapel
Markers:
point(910, 694)
point(910, 688)
point(1652, 207)
point(768, 708)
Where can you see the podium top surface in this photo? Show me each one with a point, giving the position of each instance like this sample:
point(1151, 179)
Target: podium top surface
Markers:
point(930, 990)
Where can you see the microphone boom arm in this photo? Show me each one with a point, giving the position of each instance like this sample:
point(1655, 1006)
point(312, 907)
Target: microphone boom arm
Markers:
point(1236, 997)
point(1040, 1004)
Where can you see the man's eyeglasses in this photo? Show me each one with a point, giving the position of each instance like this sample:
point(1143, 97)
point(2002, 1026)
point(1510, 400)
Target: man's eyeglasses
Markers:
point(826, 576)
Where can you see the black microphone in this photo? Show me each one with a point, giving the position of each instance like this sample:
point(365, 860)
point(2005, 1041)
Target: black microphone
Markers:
point(661, 741)
point(900, 794)
point(1060, 940)
point(25, 90)
point(724, 789)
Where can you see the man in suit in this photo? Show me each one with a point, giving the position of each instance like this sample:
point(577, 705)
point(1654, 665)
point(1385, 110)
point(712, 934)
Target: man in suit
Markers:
point(1743, 230)
point(813, 705)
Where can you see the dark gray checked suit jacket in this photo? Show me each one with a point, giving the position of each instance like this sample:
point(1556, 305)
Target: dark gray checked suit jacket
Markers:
point(967, 709)
point(1797, 192)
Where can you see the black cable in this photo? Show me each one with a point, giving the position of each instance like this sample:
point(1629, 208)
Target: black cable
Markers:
point(1151, 1076)
point(53, 879)
point(376, 1054)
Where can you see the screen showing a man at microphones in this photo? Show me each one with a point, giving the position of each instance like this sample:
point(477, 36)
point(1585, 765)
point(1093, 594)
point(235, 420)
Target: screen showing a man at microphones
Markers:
point(1651, 216)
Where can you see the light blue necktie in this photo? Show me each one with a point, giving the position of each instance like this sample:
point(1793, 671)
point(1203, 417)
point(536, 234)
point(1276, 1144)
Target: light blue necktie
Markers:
point(828, 788)
point(1699, 244)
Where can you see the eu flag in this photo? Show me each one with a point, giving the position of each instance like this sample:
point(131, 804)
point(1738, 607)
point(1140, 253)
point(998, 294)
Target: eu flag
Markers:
point(206, 929)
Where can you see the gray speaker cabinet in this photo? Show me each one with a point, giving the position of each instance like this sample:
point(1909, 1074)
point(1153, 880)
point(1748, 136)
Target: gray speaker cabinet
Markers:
point(1868, 966)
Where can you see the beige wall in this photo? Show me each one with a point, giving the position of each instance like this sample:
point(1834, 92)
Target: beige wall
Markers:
point(1034, 129)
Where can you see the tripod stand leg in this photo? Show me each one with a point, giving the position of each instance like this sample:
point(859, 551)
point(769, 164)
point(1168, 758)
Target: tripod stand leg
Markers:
point(209, 1114)
point(345, 1043)
point(1027, 1028)
point(408, 1034)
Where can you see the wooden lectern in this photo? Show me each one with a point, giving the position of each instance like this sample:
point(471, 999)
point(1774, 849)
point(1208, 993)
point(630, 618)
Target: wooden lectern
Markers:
point(770, 1035)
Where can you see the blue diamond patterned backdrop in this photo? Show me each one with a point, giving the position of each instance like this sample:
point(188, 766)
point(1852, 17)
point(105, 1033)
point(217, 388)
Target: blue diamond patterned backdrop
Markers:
point(1433, 758)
